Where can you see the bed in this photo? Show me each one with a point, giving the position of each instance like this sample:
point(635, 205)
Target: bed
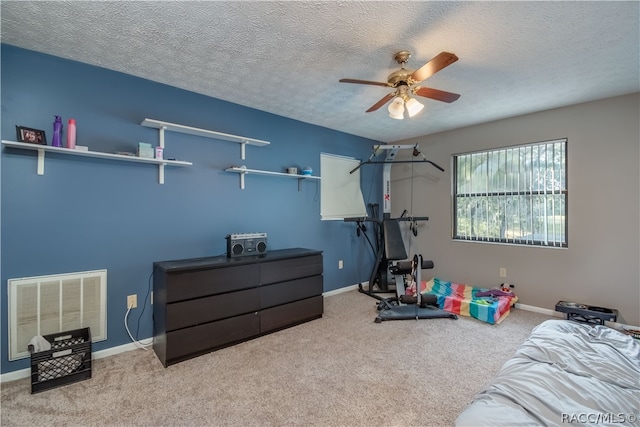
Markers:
point(564, 373)
point(463, 299)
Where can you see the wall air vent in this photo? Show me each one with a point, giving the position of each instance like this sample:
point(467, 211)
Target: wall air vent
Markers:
point(49, 304)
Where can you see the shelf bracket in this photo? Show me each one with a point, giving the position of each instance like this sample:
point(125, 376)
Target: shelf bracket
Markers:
point(242, 150)
point(41, 162)
point(161, 166)
point(161, 173)
point(242, 174)
point(161, 131)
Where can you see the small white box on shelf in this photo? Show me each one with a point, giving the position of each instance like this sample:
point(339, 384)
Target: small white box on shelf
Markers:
point(146, 153)
point(82, 148)
point(145, 150)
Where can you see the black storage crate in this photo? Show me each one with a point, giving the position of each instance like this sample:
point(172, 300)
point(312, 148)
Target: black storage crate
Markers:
point(68, 361)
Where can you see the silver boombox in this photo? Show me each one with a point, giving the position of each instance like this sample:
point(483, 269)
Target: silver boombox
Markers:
point(246, 244)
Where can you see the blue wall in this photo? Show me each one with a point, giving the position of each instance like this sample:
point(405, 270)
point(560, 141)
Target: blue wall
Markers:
point(87, 214)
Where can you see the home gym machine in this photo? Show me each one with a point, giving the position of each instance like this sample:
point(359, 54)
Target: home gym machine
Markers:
point(392, 271)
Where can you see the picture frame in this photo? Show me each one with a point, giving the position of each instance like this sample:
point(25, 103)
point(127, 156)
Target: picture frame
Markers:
point(30, 135)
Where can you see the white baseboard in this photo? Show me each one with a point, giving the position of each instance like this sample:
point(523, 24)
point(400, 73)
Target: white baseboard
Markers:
point(612, 325)
point(540, 310)
point(25, 373)
point(341, 290)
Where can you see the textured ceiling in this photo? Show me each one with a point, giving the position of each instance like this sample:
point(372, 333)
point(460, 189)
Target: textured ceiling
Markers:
point(286, 57)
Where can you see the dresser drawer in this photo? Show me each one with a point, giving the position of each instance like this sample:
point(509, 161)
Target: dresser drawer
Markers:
point(185, 342)
point(288, 269)
point(293, 290)
point(290, 314)
point(202, 310)
point(194, 284)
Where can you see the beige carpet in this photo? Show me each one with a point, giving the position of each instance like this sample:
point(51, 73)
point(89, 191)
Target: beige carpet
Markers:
point(341, 370)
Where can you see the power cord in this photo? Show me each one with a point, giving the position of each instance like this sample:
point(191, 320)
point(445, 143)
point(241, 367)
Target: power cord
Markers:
point(139, 343)
point(146, 298)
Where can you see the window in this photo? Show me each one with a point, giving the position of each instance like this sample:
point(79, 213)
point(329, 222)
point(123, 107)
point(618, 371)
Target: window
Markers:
point(512, 195)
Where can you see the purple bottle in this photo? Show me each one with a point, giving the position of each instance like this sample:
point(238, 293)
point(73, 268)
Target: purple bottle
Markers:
point(57, 132)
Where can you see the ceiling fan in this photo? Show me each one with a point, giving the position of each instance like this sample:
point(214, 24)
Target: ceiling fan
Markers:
point(405, 82)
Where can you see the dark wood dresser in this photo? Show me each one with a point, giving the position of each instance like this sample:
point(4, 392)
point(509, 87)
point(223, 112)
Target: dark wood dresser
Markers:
point(203, 304)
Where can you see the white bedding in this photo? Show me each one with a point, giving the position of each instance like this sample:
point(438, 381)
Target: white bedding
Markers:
point(565, 373)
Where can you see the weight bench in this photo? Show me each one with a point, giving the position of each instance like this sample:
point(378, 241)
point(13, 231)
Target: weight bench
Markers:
point(404, 307)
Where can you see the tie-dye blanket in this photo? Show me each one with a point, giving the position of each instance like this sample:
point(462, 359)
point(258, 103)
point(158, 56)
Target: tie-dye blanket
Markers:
point(461, 299)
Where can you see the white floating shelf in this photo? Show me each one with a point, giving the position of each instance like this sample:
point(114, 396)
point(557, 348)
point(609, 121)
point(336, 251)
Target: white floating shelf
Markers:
point(41, 149)
point(202, 132)
point(244, 171)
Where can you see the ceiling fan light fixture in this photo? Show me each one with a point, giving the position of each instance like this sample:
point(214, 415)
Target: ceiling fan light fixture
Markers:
point(404, 81)
point(413, 107)
point(396, 108)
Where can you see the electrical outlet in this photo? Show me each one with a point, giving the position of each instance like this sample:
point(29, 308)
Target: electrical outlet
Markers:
point(132, 301)
point(503, 272)
point(340, 265)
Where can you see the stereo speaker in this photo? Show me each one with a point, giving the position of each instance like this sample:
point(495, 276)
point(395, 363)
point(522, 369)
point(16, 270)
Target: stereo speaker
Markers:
point(246, 244)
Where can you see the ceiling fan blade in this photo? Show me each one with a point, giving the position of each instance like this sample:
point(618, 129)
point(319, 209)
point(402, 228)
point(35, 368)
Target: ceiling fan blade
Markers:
point(436, 94)
point(380, 103)
point(363, 82)
point(443, 59)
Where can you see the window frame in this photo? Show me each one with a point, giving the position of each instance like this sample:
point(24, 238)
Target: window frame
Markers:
point(511, 196)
